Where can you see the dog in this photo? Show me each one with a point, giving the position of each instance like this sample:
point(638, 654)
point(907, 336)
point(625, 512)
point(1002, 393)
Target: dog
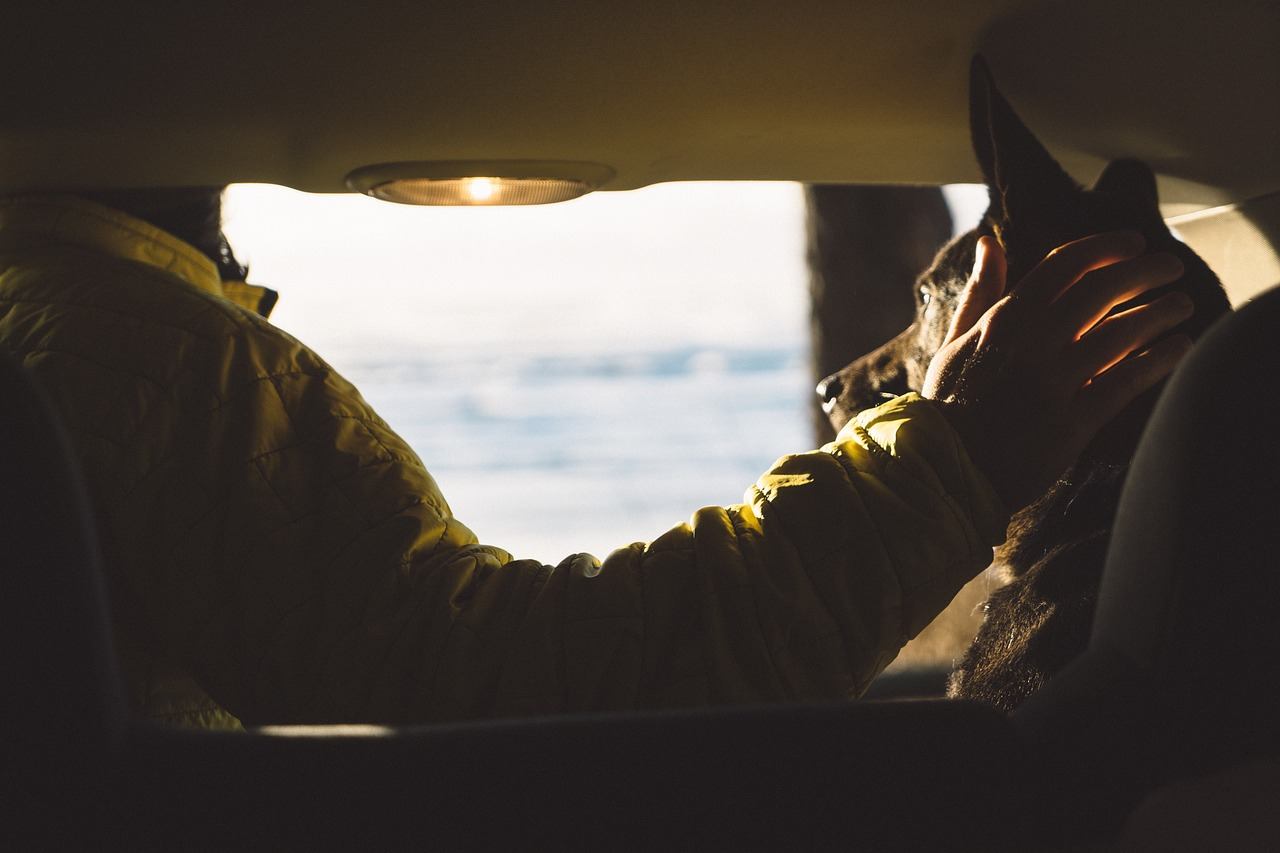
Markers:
point(1041, 618)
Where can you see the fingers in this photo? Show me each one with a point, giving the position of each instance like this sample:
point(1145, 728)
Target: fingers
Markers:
point(985, 287)
point(1104, 397)
point(1081, 307)
point(1117, 336)
point(1067, 264)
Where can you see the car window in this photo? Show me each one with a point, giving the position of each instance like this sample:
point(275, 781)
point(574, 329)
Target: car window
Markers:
point(576, 376)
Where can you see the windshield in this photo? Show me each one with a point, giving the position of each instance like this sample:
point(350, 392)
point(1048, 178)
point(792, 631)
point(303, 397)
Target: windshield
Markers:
point(626, 357)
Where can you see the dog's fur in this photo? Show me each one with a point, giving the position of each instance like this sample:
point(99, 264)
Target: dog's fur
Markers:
point(1041, 619)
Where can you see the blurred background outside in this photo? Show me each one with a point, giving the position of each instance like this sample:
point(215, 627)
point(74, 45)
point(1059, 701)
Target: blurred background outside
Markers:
point(576, 376)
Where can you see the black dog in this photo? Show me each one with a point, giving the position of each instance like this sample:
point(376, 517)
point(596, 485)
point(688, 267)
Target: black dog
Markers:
point(1040, 620)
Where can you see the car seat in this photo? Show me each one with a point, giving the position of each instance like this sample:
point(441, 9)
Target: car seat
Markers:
point(64, 712)
point(1182, 673)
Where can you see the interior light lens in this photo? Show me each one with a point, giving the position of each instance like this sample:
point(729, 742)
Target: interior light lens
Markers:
point(479, 191)
point(476, 183)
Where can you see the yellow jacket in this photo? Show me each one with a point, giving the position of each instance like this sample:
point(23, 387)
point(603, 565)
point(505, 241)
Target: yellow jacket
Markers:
point(275, 552)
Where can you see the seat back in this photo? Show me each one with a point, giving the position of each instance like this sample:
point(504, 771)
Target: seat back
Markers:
point(1191, 589)
point(64, 706)
point(1182, 673)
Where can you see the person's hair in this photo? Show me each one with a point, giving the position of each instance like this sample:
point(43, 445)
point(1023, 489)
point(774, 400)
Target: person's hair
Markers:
point(192, 214)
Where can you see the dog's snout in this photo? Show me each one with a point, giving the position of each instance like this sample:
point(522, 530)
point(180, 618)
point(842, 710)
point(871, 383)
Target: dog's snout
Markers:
point(828, 390)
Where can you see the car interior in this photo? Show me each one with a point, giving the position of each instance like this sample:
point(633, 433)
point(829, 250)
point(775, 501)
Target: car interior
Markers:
point(410, 103)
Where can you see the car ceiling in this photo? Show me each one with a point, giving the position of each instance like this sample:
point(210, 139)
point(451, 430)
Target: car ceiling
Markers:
point(112, 95)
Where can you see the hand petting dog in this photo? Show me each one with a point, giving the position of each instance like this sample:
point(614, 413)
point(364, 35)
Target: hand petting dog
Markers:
point(1027, 379)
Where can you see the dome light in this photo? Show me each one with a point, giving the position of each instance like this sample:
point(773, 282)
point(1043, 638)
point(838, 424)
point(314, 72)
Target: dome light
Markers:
point(479, 182)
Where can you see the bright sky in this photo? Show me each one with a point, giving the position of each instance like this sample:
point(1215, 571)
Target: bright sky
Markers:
point(717, 262)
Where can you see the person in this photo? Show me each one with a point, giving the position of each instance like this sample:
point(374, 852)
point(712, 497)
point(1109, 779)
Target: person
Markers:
point(276, 553)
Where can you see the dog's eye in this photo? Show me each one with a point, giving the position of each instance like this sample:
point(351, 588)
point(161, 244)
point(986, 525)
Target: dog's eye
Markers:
point(925, 296)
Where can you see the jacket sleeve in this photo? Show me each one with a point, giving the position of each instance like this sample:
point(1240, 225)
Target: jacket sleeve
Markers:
point(314, 573)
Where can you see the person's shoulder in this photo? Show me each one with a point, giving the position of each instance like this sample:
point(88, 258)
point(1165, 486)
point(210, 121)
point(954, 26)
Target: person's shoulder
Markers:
point(128, 305)
point(107, 285)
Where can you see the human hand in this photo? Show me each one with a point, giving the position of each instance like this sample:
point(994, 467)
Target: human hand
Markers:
point(1028, 378)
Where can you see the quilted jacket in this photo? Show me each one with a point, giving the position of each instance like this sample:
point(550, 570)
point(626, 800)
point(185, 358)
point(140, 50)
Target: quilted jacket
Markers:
point(276, 553)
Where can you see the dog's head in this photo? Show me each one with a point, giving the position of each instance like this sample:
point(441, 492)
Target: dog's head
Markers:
point(1034, 207)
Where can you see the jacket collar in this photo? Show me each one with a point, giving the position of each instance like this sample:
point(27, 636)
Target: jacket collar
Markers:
point(67, 219)
point(76, 221)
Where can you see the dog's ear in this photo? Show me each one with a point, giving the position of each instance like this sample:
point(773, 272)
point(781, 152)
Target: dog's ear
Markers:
point(1129, 177)
point(1025, 183)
